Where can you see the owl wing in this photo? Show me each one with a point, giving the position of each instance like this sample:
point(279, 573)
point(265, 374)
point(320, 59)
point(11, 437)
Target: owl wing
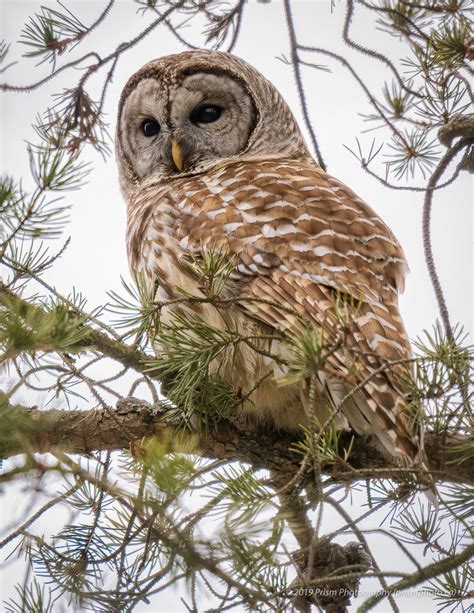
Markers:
point(301, 239)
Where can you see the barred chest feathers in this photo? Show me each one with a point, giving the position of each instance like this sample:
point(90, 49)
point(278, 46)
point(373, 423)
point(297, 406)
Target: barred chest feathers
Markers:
point(158, 252)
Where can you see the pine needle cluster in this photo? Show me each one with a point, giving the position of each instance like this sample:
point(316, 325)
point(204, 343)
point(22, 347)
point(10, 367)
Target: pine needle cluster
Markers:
point(431, 89)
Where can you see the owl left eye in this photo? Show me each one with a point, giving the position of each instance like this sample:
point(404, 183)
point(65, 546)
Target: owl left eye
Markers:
point(206, 114)
point(150, 127)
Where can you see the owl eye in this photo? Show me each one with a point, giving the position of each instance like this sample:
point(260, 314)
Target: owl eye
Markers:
point(150, 127)
point(207, 113)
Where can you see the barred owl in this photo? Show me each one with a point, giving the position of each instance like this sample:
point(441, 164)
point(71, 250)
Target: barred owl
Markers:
point(210, 154)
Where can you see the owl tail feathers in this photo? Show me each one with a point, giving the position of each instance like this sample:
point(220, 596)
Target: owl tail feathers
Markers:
point(426, 481)
point(397, 439)
point(394, 436)
point(413, 456)
point(429, 487)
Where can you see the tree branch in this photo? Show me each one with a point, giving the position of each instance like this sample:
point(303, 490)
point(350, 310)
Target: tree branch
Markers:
point(428, 250)
point(428, 572)
point(104, 429)
point(128, 356)
point(295, 61)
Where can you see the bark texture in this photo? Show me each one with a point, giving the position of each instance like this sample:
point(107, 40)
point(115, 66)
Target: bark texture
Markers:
point(132, 419)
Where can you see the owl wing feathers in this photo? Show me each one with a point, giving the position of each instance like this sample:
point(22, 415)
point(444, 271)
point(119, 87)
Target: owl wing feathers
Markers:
point(302, 239)
point(379, 406)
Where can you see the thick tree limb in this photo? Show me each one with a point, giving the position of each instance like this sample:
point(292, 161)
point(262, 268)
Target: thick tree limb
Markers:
point(83, 432)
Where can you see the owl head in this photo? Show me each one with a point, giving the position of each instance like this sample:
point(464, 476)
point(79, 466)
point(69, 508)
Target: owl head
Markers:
point(182, 114)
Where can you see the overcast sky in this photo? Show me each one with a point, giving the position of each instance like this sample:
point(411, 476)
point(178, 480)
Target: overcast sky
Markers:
point(96, 258)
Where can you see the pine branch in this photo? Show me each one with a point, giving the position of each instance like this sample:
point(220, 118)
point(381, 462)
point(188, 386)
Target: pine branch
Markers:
point(295, 61)
point(85, 431)
point(428, 251)
point(460, 126)
point(92, 339)
point(99, 61)
point(428, 572)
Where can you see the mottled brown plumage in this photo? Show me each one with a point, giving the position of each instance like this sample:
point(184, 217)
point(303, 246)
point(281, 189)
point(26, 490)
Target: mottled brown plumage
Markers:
point(299, 238)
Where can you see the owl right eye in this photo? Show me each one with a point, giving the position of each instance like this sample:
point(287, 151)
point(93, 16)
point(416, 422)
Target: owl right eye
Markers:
point(150, 127)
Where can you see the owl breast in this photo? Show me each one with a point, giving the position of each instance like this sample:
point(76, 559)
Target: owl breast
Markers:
point(159, 253)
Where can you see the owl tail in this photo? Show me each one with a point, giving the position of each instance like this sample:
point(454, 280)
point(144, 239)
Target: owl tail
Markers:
point(429, 488)
point(394, 437)
point(415, 458)
point(410, 453)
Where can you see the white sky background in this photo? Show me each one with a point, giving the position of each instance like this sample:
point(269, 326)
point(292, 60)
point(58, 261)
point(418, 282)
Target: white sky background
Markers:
point(96, 257)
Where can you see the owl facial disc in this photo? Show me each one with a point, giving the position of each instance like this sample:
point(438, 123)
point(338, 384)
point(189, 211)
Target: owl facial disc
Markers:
point(189, 112)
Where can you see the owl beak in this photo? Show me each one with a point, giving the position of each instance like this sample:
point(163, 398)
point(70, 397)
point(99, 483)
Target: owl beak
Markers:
point(177, 155)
